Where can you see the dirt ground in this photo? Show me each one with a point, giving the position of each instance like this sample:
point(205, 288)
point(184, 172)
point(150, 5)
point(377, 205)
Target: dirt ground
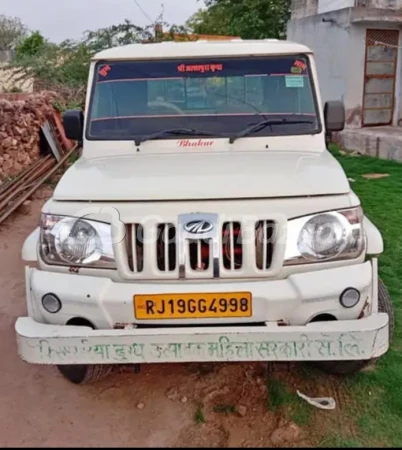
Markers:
point(193, 405)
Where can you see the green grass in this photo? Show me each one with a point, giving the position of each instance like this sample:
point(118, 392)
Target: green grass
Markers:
point(377, 395)
point(336, 441)
point(199, 416)
point(280, 399)
point(278, 394)
point(224, 409)
point(73, 158)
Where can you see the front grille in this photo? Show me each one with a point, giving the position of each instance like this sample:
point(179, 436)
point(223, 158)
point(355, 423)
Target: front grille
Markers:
point(229, 249)
point(166, 247)
point(264, 237)
point(232, 247)
point(135, 247)
point(199, 253)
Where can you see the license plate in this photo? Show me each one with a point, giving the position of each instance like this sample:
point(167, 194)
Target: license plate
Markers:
point(193, 306)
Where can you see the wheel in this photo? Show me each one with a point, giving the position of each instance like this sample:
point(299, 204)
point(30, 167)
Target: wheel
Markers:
point(85, 374)
point(352, 367)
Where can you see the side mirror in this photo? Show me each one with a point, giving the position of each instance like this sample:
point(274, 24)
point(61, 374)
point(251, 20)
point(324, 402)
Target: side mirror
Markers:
point(74, 124)
point(334, 115)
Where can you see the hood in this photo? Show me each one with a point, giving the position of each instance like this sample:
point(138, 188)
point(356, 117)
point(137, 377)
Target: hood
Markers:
point(203, 176)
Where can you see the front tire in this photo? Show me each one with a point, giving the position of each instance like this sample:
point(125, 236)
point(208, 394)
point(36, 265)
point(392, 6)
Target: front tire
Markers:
point(351, 367)
point(85, 374)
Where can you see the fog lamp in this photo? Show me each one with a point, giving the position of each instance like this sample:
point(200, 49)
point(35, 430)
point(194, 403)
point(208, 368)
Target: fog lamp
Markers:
point(350, 298)
point(51, 303)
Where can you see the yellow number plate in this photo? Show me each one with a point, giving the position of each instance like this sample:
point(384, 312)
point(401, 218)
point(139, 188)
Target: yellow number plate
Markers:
point(193, 306)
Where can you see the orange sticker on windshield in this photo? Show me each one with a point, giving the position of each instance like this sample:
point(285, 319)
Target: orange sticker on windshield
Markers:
point(105, 70)
point(200, 68)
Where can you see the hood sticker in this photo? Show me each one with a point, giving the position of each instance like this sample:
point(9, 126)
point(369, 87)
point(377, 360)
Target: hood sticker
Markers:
point(195, 143)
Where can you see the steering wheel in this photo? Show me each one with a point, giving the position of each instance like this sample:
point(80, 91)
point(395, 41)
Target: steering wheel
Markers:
point(167, 104)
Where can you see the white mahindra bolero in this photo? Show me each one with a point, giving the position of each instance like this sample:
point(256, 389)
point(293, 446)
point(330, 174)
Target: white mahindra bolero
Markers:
point(205, 220)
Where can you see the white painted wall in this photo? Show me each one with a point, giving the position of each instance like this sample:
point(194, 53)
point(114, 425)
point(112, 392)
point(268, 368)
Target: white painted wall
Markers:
point(333, 5)
point(355, 62)
point(340, 57)
point(330, 44)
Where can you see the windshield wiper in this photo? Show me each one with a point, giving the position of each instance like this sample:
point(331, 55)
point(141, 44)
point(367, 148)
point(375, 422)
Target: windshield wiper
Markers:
point(266, 123)
point(176, 132)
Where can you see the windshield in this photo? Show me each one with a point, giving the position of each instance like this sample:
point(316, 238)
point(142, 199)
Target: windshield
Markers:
point(210, 96)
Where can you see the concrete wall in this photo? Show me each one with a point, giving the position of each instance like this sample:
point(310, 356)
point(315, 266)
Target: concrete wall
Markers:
point(6, 56)
point(356, 53)
point(392, 4)
point(340, 49)
point(333, 5)
point(330, 44)
point(355, 82)
point(303, 8)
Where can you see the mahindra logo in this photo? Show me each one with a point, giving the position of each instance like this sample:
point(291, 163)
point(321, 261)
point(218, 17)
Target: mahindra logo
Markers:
point(198, 227)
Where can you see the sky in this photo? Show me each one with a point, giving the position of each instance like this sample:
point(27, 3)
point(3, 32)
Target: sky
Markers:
point(68, 19)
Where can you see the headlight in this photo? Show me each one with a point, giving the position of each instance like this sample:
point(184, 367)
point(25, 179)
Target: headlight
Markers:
point(76, 242)
point(327, 236)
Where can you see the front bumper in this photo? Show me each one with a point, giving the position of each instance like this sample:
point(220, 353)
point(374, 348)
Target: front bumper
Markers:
point(326, 341)
point(295, 300)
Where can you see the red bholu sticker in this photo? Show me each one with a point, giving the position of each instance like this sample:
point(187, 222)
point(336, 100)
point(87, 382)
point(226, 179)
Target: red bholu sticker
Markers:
point(105, 70)
point(300, 64)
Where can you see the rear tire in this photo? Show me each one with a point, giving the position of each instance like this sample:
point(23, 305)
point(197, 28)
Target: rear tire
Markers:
point(351, 367)
point(85, 374)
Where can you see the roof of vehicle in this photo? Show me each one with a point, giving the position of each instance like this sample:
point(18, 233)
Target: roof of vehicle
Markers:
point(200, 48)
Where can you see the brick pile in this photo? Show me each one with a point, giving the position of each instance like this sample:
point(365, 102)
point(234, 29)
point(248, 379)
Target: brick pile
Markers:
point(20, 122)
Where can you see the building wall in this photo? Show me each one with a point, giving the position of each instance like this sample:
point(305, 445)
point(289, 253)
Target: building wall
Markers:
point(330, 44)
point(303, 8)
point(333, 5)
point(392, 4)
point(340, 51)
point(355, 82)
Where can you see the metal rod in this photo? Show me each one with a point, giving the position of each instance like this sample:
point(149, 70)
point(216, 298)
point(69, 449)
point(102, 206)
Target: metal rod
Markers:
point(22, 199)
point(26, 174)
point(28, 182)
